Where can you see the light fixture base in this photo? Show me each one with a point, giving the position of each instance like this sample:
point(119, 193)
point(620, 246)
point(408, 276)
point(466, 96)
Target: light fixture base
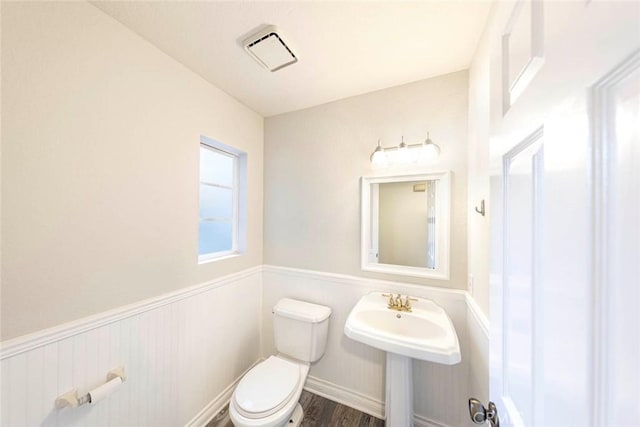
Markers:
point(404, 154)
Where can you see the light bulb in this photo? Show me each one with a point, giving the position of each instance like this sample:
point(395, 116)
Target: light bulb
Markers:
point(378, 158)
point(429, 151)
point(403, 156)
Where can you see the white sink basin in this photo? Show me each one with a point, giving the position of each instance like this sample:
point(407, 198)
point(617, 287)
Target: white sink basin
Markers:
point(425, 333)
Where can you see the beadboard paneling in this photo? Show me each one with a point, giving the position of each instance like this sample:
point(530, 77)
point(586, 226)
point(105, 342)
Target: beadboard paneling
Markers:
point(440, 392)
point(478, 357)
point(184, 352)
point(170, 347)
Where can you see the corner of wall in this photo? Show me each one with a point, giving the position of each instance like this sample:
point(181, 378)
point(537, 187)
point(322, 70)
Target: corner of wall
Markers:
point(478, 237)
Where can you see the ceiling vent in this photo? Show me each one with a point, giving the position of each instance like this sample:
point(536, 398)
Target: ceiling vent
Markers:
point(269, 49)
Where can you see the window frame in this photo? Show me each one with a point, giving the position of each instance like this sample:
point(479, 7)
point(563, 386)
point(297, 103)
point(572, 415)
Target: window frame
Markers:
point(238, 188)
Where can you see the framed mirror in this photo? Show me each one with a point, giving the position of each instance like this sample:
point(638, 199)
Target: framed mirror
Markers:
point(405, 224)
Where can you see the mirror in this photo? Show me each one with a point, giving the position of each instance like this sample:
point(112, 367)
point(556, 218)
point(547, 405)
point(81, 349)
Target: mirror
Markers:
point(405, 224)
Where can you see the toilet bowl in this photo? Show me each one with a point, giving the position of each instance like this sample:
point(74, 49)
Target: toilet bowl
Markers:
point(267, 395)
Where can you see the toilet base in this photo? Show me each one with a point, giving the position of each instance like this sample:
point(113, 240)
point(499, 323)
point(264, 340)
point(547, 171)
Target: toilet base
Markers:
point(296, 417)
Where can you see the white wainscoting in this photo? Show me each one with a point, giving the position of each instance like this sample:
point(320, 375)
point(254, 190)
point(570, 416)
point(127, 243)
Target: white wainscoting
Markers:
point(478, 357)
point(353, 374)
point(182, 353)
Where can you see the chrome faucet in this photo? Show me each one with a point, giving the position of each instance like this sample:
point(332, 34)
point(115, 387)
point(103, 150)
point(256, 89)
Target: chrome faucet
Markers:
point(396, 303)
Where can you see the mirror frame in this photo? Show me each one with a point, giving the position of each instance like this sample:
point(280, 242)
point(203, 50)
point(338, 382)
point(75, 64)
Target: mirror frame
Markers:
point(443, 209)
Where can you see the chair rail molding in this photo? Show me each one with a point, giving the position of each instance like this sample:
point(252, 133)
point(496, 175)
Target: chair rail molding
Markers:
point(166, 346)
point(41, 338)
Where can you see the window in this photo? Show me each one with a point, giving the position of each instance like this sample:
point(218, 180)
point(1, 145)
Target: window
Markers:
point(222, 213)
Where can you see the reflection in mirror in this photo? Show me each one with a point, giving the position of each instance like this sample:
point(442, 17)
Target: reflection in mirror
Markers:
point(406, 225)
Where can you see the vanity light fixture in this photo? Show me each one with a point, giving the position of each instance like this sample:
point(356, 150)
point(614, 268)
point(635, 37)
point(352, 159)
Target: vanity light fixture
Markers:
point(403, 153)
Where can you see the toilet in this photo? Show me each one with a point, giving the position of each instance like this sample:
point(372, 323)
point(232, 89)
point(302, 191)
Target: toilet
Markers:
point(267, 396)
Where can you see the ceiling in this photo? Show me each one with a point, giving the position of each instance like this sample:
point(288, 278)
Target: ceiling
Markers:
point(344, 48)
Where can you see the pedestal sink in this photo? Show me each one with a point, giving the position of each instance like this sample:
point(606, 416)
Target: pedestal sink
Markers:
point(424, 333)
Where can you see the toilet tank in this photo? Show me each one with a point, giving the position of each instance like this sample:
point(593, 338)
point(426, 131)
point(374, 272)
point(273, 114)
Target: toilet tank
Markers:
point(300, 329)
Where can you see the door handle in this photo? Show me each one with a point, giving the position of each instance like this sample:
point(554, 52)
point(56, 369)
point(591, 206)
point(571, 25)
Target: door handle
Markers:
point(479, 414)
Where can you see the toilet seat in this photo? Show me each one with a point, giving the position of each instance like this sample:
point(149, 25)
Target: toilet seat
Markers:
point(267, 388)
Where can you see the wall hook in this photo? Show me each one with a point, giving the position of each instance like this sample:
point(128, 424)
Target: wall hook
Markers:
point(481, 210)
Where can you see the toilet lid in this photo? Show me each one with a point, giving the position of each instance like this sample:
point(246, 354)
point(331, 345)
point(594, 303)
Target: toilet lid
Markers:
point(266, 388)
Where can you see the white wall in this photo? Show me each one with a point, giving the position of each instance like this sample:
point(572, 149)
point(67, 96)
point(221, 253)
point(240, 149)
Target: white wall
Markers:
point(314, 159)
point(353, 373)
point(183, 353)
point(477, 225)
point(169, 347)
point(99, 175)
point(478, 173)
point(100, 166)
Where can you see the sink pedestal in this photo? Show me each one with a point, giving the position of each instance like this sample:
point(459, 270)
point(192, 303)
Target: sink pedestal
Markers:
point(399, 391)
point(424, 333)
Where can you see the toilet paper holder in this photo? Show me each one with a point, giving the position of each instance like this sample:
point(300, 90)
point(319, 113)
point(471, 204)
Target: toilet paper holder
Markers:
point(71, 399)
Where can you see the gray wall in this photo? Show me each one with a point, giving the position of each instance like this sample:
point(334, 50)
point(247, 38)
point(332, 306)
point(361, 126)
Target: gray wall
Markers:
point(314, 159)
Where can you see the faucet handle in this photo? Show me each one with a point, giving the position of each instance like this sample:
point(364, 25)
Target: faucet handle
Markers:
point(391, 301)
point(407, 302)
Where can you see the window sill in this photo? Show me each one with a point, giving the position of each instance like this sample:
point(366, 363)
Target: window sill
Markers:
point(205, 259)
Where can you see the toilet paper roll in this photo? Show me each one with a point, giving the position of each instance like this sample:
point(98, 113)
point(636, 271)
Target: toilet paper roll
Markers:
point(104, 390)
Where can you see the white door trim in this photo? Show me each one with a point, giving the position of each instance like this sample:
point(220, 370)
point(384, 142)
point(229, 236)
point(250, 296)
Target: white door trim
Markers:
point(602, 150)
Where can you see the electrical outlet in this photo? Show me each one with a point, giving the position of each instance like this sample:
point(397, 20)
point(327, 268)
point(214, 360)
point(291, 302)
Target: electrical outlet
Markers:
point(470, 284)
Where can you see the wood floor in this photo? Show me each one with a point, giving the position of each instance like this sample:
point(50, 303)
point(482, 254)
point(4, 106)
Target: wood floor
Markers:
point(318, 412)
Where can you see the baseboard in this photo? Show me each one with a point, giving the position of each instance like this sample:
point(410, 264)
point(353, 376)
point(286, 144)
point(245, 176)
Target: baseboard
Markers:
point(317, 386)
point(340, 394)
point(359, 401)
point(218, 403)
point(420, 421)
point(346, 397)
